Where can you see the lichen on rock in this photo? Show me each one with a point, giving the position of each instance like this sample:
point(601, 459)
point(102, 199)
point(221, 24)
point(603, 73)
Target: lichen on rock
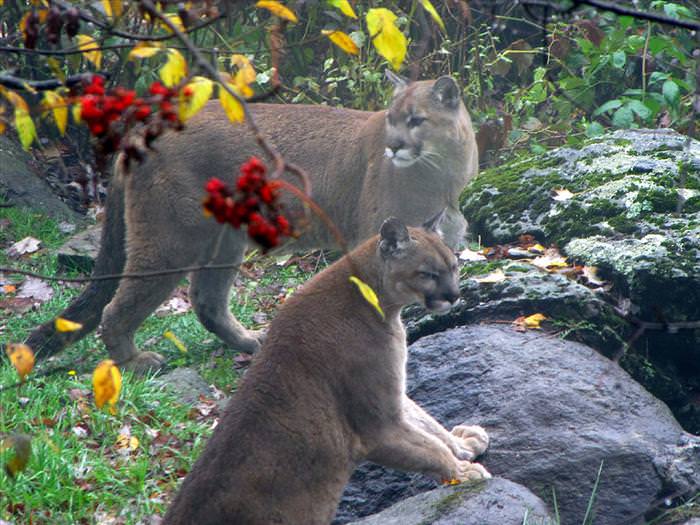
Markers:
point(634, 213)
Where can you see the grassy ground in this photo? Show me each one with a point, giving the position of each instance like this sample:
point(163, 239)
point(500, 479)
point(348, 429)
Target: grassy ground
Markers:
point(86, 467)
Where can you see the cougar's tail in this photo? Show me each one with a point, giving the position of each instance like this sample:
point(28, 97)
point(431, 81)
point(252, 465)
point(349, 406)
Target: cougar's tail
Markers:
point(87, 308)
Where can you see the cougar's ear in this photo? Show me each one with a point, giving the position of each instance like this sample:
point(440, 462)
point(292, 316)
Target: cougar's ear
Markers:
point(446, 92)
point(434, 224)
point(393, 238)
point(396, 79)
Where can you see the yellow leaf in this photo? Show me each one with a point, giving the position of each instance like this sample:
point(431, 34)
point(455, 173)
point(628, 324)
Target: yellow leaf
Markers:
point(64, 325)
point(21, 445)
point(76, 109)
point(14, 98)
point(494, 277)
point(386, 37)
point(533, 321)
point(175, 19)
point(368, 294)
point(113, 8)
point(127, 442)
point(344, 7)
point(145, 50)
point(106, 383)
point(342, 40)
point(90, 49)
point(550, 261)
point(193, 97)
point(174, 340)
point(428, 6)
point(278, 9)
point(232, 108)
point(56, 68)
point(21, 357)
point(59, 107)
point(25, 127)
point(175, 68)
point(244, 76)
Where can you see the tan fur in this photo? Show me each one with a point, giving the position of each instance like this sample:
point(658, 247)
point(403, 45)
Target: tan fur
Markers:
point(327, 391)
point(345, 154)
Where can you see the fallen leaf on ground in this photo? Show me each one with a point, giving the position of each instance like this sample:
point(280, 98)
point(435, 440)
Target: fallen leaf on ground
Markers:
point(170, 336)
point(21, 446)
point(470, 255)
point(494, 277)
point(550, 260)
point(175, 305)
point(36, 289)
point(17, 305)
point(23, 247)
point(531, 322)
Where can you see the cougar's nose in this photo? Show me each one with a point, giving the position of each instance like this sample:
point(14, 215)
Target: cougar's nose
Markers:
point(396, 144)
point(452, 296)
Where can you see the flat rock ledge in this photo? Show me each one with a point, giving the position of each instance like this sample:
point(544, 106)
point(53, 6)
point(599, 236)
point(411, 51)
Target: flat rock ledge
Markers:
point(494, 502)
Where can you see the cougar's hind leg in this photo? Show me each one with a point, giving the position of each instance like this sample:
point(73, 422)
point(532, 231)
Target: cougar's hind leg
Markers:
point(134, 301)
point(86, 309)
point(210, 293)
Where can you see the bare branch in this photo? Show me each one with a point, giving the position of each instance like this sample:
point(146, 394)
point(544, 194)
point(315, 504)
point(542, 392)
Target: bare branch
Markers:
point(44, 85)
point(618, 10)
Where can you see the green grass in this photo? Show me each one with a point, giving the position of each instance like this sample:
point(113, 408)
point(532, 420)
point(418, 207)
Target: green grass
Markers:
point(75, 478)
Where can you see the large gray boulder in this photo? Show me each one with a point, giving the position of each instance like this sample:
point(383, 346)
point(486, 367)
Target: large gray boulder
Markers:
point(20, 185)
point(556, 411)
point(635, 214)
point(494, 502)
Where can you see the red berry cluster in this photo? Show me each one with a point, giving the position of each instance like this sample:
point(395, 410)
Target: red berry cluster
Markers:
point(254, 202)
point(56, 20)
point(111, 115)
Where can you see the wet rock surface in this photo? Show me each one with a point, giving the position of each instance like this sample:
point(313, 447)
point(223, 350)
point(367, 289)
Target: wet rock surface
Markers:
point(556, 411)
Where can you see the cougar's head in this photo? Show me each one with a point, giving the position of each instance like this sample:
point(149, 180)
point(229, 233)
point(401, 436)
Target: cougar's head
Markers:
point(424, 118)
point(418, 265)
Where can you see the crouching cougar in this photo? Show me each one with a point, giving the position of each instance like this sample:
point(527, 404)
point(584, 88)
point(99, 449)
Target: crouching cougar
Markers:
point(328, 390)
point(409, 161)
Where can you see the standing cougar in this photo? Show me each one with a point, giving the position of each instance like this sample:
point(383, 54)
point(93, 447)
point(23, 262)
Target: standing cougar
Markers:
point(410, 161)
point(328, 390)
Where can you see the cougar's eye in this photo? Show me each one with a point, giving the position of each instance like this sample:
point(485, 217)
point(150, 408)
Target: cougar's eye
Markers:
point(414, 121)
point(428, 276)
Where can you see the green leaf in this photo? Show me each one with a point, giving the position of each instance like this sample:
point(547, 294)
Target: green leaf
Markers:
point(610, 104)
point(671, 92)
point(623, 117)
point(641, 110)
point(657, 76)
point(619, 59)
point(593, 129)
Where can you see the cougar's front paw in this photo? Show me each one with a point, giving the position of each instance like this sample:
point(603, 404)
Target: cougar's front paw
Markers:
point(471, 439)
point(144, 362)
point(467, 471)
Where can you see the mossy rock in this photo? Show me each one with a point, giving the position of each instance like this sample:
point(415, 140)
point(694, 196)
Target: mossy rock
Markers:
point(634, 213)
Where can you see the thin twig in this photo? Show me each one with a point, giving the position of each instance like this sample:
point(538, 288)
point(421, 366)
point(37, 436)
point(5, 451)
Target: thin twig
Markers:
point(133, 36)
